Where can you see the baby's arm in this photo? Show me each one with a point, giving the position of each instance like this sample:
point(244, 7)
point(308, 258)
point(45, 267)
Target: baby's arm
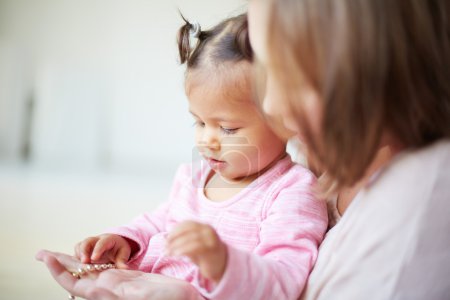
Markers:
point(201, 243)
point(121, 243)
point(278, 268)
point(139, 231)
point(133, 238)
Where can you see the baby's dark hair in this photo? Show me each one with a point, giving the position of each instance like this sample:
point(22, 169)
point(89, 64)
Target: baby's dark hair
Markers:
point(226, 42)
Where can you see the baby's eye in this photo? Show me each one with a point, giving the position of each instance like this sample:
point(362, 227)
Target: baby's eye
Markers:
point(229, 130)
point(198, 124)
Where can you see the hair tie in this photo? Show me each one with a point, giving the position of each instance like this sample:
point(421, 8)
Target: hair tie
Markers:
point(195, 30)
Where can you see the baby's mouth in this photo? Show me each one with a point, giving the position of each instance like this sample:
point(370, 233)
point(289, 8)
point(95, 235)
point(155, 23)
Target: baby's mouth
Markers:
point(215, 163)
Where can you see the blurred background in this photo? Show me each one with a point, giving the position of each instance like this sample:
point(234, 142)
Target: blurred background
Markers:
point(93, 122)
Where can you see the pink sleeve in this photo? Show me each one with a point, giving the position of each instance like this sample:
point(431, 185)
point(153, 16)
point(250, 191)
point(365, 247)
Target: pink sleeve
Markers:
point(143, 227)
point(278, 268)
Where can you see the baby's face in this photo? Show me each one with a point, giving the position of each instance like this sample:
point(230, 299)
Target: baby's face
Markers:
point(231, 134)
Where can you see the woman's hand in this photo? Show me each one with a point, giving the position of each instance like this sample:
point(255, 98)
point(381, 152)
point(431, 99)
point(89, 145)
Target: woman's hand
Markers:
point(104, 248)
point(202, 245)
point(114, 284)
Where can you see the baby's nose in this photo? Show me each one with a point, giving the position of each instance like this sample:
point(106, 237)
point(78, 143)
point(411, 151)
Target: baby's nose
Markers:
point(210, 140)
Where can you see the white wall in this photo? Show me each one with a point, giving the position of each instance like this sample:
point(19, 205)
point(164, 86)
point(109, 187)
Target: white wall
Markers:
point(105, 79)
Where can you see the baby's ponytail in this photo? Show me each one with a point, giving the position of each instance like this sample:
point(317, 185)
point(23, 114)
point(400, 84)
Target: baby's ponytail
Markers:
point(184, 40)
point(226, 42)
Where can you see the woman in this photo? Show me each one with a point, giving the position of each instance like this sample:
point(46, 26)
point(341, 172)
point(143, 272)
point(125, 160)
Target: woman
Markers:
point(350, 77)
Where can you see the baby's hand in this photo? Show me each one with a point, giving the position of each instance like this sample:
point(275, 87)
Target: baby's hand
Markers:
point(202, 245)
point(104, 248)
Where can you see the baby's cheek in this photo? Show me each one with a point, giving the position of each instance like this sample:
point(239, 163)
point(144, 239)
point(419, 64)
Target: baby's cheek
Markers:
point(245, 158)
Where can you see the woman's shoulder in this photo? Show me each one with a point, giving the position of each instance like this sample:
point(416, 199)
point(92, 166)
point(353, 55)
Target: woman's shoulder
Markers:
point(436, 155)
point(397, 227)
point(419, 169)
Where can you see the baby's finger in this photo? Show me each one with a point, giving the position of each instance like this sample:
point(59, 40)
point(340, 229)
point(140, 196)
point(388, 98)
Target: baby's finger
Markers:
point(123, 255)
point(85, 249)
point(190, 249)
point(101, 247)
point(174, 246)
point(182, 229)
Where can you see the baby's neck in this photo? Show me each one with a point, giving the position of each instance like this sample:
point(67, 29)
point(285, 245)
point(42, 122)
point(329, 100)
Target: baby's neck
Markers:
point(220, 189)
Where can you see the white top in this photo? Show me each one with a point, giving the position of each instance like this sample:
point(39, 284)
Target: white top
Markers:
point(393, 242)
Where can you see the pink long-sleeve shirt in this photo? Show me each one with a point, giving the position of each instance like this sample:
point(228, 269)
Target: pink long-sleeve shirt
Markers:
point(272, 229)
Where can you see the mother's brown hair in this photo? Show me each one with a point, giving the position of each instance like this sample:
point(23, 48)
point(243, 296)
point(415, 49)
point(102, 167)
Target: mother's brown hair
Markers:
point(377, 65)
